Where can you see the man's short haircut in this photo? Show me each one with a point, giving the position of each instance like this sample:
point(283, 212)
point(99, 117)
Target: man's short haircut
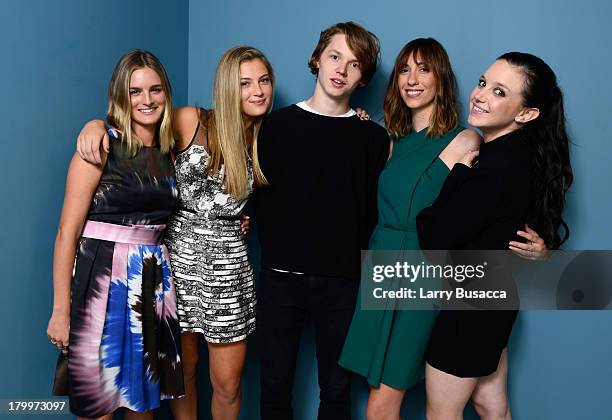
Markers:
point(363, 43)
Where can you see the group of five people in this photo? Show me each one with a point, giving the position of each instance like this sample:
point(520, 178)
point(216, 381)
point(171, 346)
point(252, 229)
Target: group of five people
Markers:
point(327, 185)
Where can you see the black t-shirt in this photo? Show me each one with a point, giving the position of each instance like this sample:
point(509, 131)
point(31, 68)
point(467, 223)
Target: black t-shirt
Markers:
point(320, 207)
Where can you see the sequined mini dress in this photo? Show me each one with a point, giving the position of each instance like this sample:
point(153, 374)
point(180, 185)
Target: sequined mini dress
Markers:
point(209, 255)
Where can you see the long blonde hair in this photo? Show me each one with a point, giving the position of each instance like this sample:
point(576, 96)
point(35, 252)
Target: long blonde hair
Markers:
point(119, 112)
point(227, 139)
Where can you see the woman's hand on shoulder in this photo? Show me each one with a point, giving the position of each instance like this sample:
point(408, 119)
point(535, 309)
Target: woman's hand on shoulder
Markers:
point(469, 159)
point(468, 140)
point(462, 149)
point(470, 143)
point(184, 124)
point(362, 114)
point(91, 139)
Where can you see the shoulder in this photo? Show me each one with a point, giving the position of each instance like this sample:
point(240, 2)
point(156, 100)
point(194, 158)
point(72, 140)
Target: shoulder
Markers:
point(284, 112)
point(186, 115)
point(290, 118)
point(466, 141)
point(372, 132)
point(377, 130)
point(184, 123)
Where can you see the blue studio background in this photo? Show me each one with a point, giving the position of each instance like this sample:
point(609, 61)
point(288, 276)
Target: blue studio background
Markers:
point(57, 58)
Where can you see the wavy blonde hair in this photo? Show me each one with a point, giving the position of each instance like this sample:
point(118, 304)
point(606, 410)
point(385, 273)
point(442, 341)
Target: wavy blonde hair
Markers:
point(445, 115)
point(119, 112)
point(227, 140)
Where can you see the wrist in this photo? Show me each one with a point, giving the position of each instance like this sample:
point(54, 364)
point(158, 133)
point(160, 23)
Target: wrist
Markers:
point(96, 123)
point(61, 312)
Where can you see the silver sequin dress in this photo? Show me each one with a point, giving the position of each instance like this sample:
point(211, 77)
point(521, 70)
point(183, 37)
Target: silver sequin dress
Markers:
point(214, 279)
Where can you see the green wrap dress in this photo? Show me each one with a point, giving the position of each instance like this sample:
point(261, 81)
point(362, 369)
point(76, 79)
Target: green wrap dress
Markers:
point(388, 346)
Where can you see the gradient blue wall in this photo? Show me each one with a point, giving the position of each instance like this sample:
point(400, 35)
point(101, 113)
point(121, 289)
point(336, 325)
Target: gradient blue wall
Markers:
point(56, 60)
point(560, 363)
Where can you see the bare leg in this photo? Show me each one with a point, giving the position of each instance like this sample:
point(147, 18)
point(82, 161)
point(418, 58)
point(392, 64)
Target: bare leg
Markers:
point(384, 403)
point(186, 408)
point(447, 394)
point(490, 395)
point(106, 417)
point(133, 415)
point(226, 362)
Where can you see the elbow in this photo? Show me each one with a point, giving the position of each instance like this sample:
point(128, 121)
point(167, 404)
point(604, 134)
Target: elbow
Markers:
point(67, 234)
point(433, 239)
point(424, 233)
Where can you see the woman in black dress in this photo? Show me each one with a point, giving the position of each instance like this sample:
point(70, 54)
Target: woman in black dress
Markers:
point(522, 174)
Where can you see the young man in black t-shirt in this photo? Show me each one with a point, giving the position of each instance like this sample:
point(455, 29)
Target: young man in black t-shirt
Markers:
point(322, 164)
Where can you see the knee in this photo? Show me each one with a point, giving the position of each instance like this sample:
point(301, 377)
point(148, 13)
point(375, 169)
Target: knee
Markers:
point(335, 387)
point(380, 409)
point(489, 407)
point(376, 412)
point(439, 413)
point(227, 390)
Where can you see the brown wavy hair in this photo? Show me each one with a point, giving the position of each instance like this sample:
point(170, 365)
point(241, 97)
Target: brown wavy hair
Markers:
point(363, 43)
point(445, 115)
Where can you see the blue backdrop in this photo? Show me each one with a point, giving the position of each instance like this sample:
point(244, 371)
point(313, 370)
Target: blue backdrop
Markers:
point(57, 58)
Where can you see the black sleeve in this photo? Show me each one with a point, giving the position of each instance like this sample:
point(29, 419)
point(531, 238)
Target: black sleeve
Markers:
point(378, 160)
point(468, 201)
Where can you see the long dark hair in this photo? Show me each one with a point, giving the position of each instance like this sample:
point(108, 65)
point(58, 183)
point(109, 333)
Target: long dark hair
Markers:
point(549, 142)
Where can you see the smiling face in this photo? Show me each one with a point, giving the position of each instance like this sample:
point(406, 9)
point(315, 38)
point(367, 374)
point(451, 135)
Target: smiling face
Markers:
point(255, 88)
point(339, 72)
point(147, 99)
point(417, 85)
point(496, 103)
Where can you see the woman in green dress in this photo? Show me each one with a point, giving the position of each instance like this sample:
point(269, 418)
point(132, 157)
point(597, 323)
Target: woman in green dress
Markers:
point(421, 114)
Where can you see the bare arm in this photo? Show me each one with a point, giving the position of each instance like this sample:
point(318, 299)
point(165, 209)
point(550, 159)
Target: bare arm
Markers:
point(91, 138)
point(81, 185)
point(184, 124)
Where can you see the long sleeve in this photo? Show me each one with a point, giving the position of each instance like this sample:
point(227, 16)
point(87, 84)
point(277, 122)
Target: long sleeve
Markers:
point(264, 149)
point(469, 201)
point(320, 207)
point(379, 156)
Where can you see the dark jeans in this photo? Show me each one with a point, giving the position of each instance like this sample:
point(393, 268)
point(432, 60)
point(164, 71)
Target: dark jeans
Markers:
point(285, 301)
